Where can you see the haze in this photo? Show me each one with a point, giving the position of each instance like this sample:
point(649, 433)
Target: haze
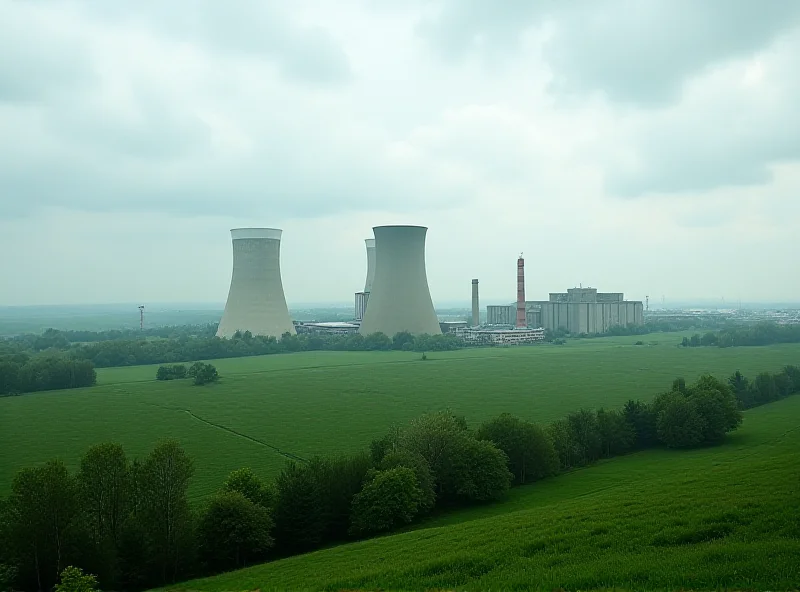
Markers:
point(648, 148)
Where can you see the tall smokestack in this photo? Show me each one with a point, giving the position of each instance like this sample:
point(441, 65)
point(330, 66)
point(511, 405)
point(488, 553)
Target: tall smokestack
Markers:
point(256, 302)
point(522, 321)
point(400, 299)
point(476, 310)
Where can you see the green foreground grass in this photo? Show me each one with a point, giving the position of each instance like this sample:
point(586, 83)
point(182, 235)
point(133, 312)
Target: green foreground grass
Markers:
point(329, 402)
point(722, 517)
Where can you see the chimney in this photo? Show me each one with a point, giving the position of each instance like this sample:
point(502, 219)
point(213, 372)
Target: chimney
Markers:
point(522, 321)
point(476, 310)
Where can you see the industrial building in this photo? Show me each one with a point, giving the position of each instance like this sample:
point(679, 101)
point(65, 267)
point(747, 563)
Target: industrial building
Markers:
point(326, 328)
point(399, 298)
point(256, 301)
point(577, 311)
point(501, 336)
point(363, 297)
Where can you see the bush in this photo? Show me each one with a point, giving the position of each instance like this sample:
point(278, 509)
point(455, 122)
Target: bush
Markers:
point(74, 580)
point(388, 499)
point(530, 451)
point(233, 531)
point(172, 372)
point(203, 373)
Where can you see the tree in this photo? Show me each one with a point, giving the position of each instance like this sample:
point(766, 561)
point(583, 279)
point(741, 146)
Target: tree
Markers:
point(563, 438)
point(403, 341)
point(742, 389)
point(586, 434)
point(337, 480)
point(74, 580)
point(717, 406)
point(436, 437)
point(104, 488)
point(43, 511)
point(422, 471)
point(678, 424)
point(530, 451)
point(163, 508)
point(246, 482)
point(388, 499)
point(234, 531)
point(642, 420)
point(298, 525)
point(203, 373)
point(480, 471)
point(617, 436)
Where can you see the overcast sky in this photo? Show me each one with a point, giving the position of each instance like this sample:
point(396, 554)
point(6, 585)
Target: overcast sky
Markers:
point(647, 146)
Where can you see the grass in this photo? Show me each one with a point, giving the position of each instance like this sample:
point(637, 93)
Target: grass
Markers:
point(327, 402)
point(726, 517)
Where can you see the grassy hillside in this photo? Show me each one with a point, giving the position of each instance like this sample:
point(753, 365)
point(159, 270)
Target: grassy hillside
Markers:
point(722, 517)
point(322, 402)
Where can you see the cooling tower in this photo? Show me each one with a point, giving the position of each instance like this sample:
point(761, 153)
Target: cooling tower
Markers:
point(255, 300)
point(400, 299)
point(370, 264)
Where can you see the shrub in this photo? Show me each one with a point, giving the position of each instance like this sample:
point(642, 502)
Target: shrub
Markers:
point(171, 372)
point(203, 373)
point(388, 499)
point(74, 580)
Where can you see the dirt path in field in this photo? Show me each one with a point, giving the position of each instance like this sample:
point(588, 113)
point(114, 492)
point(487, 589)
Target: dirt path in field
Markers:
point(283, 453)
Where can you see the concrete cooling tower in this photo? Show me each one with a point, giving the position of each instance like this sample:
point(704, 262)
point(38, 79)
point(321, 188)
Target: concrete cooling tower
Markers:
point(255, 300)
point(370, 264)
point(400, 299)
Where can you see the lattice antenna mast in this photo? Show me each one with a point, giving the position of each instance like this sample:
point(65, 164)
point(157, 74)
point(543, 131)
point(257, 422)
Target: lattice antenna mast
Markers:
point(141, 318)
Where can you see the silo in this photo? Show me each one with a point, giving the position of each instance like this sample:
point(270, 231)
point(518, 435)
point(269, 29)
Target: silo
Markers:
point(256, 302)
point(400, 299)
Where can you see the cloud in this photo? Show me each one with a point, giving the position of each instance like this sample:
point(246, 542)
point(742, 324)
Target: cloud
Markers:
point(302, 53)
point(730, 128)
point(639, 53)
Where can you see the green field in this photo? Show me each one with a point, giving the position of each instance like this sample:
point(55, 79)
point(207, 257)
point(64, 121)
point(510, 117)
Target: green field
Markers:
point(324, 402)
point(721, 517)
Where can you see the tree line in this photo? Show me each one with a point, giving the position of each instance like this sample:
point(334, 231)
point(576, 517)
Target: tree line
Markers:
point(23, 373)
point(131, 523)
point(193, 345)
point(758, 334)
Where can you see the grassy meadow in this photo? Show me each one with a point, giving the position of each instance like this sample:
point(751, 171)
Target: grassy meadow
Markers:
point(726, 517)
point(326, 402)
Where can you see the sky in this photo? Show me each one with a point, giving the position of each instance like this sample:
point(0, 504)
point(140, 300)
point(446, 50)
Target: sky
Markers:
point(650, 148)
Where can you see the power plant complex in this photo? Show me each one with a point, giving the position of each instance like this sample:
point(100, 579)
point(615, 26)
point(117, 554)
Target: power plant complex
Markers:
point(396, 297)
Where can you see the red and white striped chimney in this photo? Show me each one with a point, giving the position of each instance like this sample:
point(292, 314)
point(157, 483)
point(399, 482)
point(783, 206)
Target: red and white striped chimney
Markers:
point(522, 321)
